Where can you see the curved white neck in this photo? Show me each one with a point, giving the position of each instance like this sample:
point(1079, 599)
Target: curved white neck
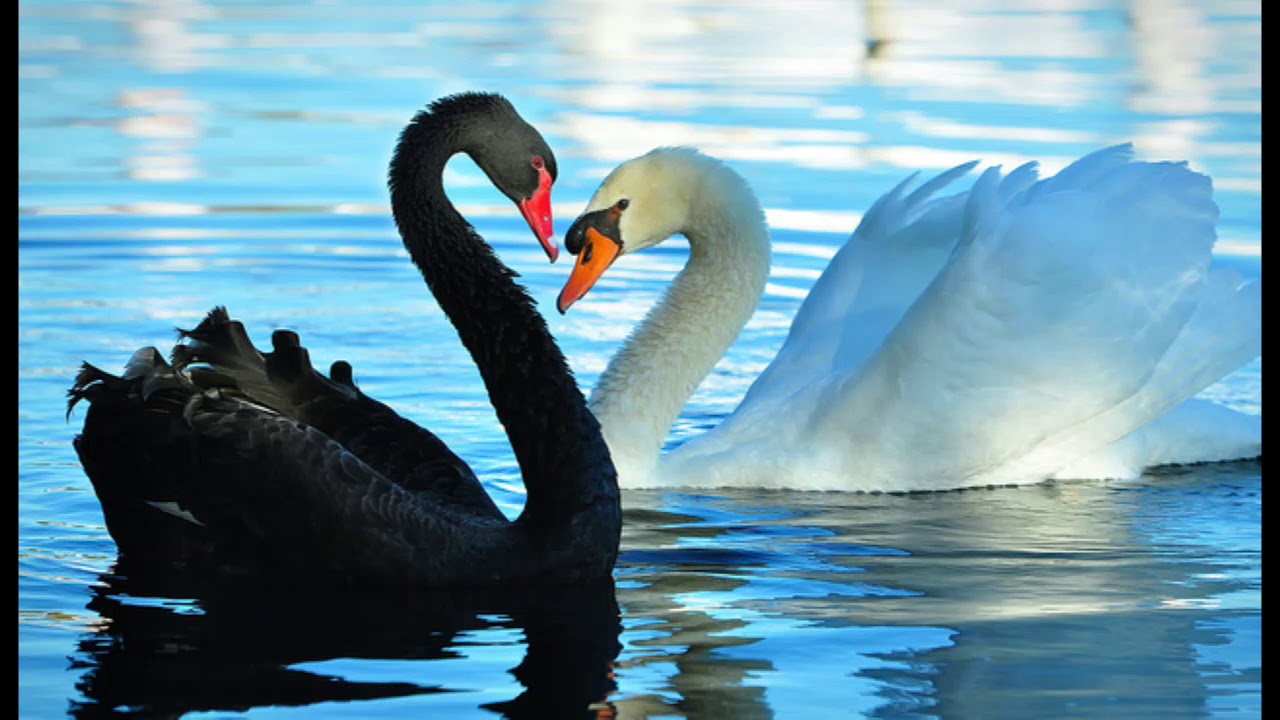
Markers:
point(647, 382)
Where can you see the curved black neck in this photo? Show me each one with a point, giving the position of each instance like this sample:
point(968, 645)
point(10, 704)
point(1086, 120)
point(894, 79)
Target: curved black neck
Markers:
point(554, 437)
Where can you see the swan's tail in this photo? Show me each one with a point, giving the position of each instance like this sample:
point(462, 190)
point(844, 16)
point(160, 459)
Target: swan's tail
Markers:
point(135, 422)
point(152, 436)
point(160, 441)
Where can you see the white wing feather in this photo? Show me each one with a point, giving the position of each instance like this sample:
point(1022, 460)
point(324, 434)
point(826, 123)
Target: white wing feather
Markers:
point(1003, 335)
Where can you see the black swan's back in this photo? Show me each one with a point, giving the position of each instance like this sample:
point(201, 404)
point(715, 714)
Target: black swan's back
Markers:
point(249, 460)
point(241, 460)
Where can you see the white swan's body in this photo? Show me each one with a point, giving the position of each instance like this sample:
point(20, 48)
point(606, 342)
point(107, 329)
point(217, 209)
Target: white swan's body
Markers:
point(1020, 331)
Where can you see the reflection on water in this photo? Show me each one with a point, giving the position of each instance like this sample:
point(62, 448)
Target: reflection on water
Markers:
point(175, 155)
point(168, 646)
point(1062, 600)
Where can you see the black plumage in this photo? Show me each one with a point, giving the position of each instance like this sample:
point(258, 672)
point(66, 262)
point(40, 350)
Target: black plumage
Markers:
point(241, 461)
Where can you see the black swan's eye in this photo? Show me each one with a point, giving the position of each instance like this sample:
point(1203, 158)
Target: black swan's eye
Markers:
point(538, 163)
point(622, 204)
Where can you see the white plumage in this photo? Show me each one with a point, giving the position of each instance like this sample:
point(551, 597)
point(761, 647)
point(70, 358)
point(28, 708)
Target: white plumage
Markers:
point(1023, 330)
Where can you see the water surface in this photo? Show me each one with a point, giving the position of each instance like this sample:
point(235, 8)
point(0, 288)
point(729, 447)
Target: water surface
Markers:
point(178, 155)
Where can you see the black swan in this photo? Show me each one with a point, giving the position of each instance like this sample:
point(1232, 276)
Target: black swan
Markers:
point(243, 461)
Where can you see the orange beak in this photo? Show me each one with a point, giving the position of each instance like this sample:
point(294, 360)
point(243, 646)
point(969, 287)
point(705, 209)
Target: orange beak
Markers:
point(597, 254)
point(536, 210)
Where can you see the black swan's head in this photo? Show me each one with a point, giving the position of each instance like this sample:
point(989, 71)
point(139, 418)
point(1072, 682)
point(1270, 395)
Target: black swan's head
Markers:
point(509, 150)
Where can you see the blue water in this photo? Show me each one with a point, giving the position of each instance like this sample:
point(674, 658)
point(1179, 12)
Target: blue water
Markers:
point(174, 155)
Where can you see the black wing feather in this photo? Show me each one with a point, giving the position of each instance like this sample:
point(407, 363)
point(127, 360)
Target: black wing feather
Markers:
point(229, 450)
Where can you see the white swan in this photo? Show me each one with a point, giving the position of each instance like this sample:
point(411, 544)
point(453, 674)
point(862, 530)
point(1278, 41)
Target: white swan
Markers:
point(1019, 331)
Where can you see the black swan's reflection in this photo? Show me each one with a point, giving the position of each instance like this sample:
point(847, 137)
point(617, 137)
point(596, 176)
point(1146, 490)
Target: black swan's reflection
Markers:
point(237, 645)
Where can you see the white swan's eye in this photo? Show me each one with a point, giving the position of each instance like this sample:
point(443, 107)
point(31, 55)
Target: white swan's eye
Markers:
point(622, 204)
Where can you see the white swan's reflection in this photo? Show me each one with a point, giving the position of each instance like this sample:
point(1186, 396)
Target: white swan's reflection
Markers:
point(994, 603)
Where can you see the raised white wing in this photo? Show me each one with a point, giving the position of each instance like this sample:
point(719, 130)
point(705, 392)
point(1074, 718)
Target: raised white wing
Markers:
point(997, 336)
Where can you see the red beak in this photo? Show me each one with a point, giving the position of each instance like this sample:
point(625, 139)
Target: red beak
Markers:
point(537, 212)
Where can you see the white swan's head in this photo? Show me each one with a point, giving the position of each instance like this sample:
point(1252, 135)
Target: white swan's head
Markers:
point(646, 200)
